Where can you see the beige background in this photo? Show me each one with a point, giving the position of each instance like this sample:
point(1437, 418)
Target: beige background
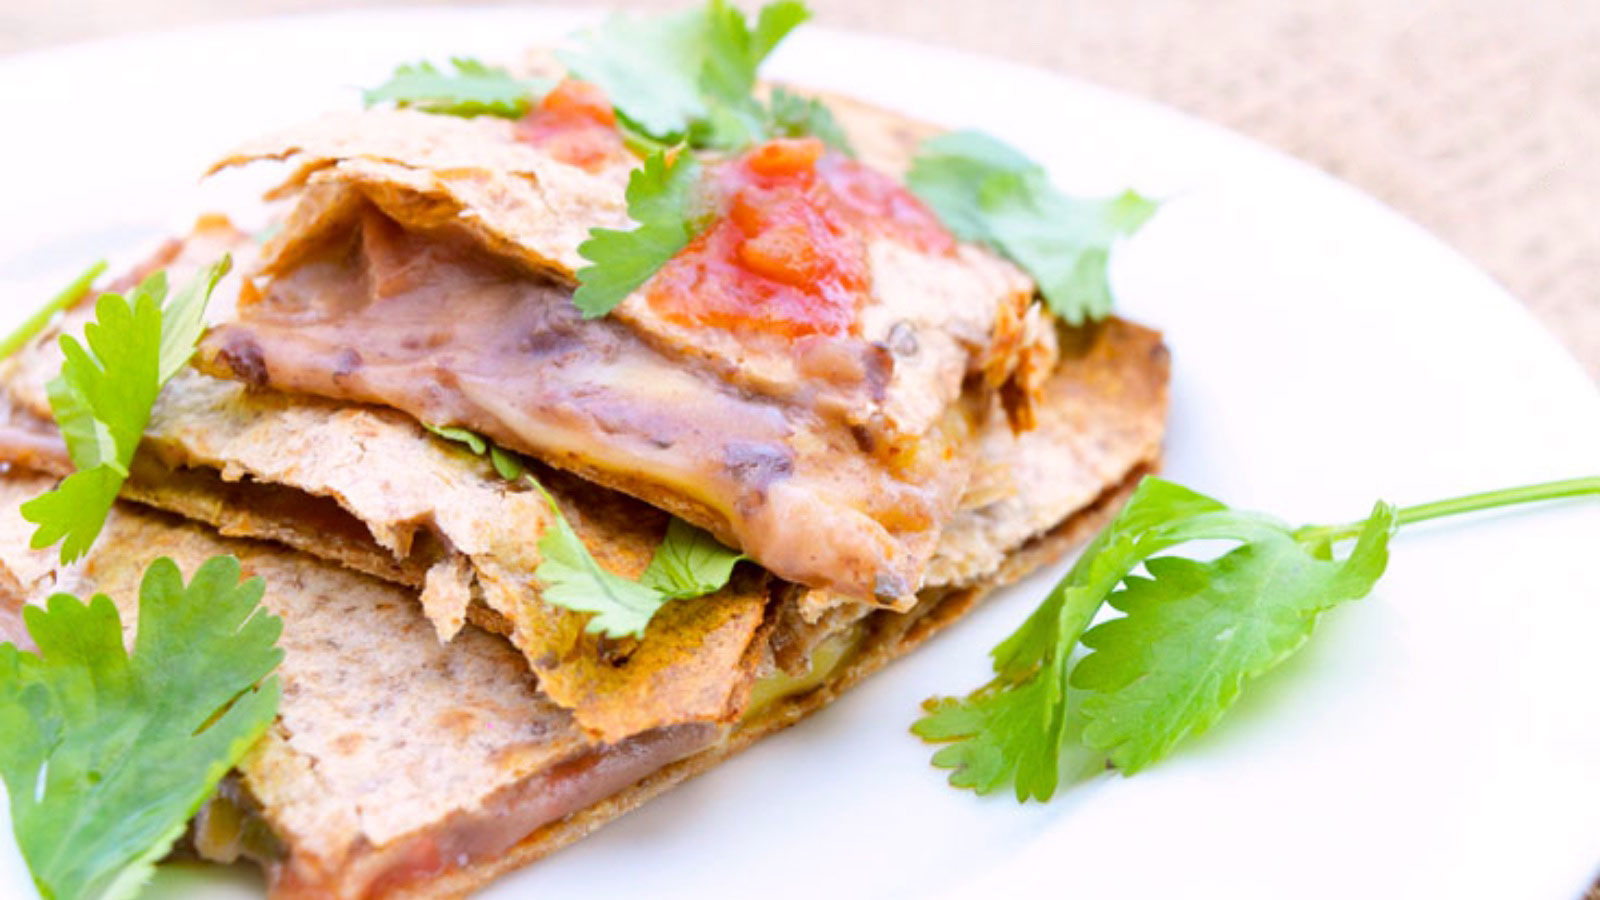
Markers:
point(1478, 118)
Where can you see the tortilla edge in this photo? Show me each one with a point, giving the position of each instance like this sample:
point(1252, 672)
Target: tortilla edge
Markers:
point(883, 647)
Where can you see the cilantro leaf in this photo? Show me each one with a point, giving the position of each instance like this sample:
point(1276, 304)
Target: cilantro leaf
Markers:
point(574, 580)
point(689, 563)
point(999, 735)
point(986, 191)
point(506, 464)
point(473, 89)
point(1218, 624)
point(791, 115)
point(734, 51)
point(89, 441)
point(117, 385)
point(687, 75)
point(183, 319)
point(75, 511)
point(471, 439)
point(108, 755)
point(649, 68)
point(42, 317)
point(730, 127)
point(660, 195)
point(103, 397)
point(1193, 633)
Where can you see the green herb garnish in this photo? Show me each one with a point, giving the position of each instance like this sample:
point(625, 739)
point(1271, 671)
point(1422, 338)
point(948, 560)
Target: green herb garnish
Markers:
point(661, 199)
point(1191, 634)
point(687, 75)
point(506, 464)
point(107, 755)
point(42, 317)
point(791, 115)
point(103, 397)
point(689, 562)
point(472, 89)
point(986, 191)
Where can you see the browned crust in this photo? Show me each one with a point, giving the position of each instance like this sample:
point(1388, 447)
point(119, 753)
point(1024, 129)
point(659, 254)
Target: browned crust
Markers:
point(892, 636)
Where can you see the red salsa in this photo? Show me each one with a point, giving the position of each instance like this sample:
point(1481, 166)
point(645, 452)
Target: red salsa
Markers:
point(575, 124)
point(788, 252)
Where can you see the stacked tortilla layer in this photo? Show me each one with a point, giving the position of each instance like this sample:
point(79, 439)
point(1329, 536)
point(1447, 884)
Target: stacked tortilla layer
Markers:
point(417, 751)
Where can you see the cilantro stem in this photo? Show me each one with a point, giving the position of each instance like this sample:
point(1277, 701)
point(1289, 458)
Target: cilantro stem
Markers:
point(1455, 506)
point(36, 323)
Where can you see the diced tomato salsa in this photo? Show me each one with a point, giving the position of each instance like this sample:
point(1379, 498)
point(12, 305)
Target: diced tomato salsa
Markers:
point(788, 252)
point(575, 124)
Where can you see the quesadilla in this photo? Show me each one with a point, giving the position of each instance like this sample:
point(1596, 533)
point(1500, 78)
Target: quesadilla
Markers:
point(817, 424)
point(401, 766)
point(882, 421)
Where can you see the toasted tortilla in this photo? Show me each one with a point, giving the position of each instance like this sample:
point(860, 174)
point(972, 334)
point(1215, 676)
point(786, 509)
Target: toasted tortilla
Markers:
point(427, 169)
point(382, 731)
point(833, 460)
point(391, 748)
point(1103, 415)
point(369, 489)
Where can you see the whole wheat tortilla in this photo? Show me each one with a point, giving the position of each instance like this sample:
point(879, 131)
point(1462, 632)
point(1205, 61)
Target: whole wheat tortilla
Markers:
point(382, 730)
point(299, 470)
point(370, 489)
point(384, 733)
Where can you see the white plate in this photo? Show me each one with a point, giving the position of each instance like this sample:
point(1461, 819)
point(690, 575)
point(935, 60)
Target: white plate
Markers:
point(1441, 738)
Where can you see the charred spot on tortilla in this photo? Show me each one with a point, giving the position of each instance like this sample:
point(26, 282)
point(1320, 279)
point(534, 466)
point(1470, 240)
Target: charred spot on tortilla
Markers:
point(242, 357)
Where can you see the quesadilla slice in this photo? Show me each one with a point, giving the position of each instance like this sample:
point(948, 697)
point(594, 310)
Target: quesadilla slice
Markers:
point(576, 452)
point(370, 489)
point(801, 380)
point(400, 766)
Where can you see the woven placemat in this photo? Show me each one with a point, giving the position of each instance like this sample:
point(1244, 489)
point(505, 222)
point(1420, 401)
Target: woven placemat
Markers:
point(1480, 119)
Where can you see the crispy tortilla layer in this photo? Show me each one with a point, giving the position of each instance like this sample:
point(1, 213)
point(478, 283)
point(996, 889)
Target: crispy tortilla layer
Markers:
point(369, 489)
point(436, 328)
point(833, 460)
point(382, 731)
point(400, 767)
point(694, 664)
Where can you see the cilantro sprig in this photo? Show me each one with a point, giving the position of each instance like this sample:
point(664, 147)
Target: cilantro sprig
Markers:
point(472, 89)
point(986, 191)
point(691, 77)
point(661, 200)
point(103, 397)
point(108, 755)
point(688, 563)
point(1191, 635)
point(506, 465)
